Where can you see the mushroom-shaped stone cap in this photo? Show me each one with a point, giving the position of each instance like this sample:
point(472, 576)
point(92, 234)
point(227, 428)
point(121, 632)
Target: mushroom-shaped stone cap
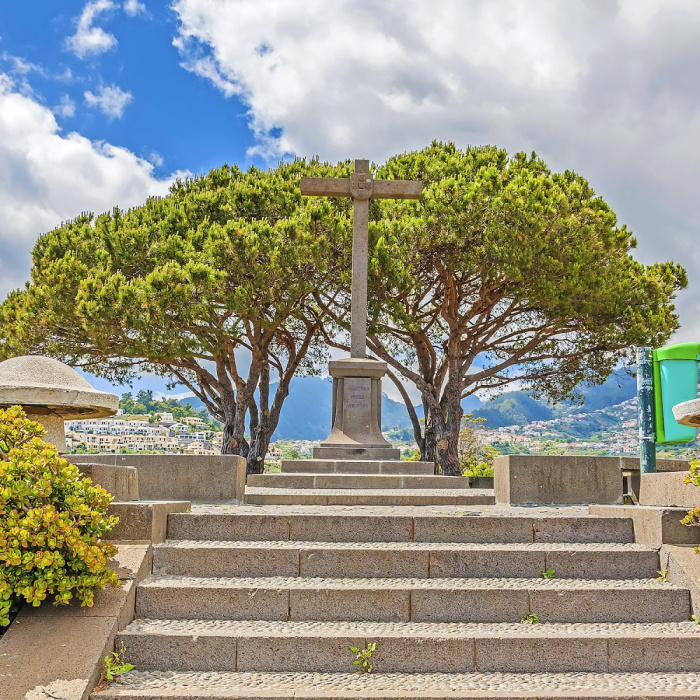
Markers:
point(688, 413)
point(45, 384)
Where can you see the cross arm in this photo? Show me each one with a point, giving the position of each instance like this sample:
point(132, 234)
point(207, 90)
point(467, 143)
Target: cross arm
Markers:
point(397, 189)
point(325, 186)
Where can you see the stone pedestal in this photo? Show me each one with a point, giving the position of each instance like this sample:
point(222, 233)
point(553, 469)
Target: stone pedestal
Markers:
point(51, 392)
point(357, 412)
point(55, 431)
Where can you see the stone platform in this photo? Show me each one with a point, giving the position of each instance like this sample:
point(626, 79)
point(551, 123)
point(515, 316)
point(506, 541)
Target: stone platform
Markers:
point(361, 482)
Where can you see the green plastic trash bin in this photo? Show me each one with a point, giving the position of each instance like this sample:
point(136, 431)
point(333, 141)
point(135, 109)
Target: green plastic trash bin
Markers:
point(675, 381)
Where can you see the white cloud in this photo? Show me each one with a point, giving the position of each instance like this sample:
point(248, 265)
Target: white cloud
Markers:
point(89, 39)
point(110, 100)
point(156, 159)
point(47, 177)
point(21, 66)
point(134, 7)
point(65, 108)
point(607, 89)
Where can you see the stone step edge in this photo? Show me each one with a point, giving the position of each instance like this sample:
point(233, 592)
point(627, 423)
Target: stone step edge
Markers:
point(279, 490)
point(274, 523)
point(425, 630)
point(409, 545)
point(450, 482)
point(330, 686)
point(437, 584)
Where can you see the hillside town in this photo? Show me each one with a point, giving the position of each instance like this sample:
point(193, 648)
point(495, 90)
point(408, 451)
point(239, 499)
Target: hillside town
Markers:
point(143, 433)
point(194, 435)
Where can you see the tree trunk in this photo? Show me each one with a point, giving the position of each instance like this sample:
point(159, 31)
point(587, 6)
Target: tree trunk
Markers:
point(269, 419)
point(231, 444)
point(431, 410)
point(259, 431)
point(441, 437)
point(448, 439)
point(234, 426)
point(447, 451)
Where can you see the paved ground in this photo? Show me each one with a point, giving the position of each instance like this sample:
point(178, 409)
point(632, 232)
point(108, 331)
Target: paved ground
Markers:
point(466, 510)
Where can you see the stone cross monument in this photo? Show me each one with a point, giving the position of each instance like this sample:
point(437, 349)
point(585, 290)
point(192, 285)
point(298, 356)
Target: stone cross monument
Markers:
point(357, 394)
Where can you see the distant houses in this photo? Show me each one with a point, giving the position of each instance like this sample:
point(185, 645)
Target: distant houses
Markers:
point(122, 433)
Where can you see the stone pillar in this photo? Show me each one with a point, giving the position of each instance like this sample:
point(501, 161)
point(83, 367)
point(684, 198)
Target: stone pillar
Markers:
point(55, 430)
point(357, 412)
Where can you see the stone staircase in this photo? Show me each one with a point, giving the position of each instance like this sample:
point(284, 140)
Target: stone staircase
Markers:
point(265, 602)
point(361, 482)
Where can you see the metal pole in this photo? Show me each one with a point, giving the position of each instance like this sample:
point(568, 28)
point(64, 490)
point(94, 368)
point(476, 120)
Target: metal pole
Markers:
point(645, 411)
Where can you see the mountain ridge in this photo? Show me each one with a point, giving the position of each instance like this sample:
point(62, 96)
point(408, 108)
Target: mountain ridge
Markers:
point(306, 413)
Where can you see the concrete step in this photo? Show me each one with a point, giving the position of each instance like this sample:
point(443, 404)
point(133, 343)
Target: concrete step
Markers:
point(411, 599)
point(258, 495)
point(404, 559)
point(380, 525)
point(221, 645)
point(357, 481)
point(355, 466)
point(394, 686)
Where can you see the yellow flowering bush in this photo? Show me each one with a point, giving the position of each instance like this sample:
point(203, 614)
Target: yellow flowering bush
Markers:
point(52, 521)
point(693, 477)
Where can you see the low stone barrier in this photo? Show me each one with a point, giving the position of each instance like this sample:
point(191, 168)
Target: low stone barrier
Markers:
point(668, 489)
point(196, 478)
point(557, 480)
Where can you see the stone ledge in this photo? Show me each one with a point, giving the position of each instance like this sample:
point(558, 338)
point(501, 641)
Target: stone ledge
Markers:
point(653, 526)
point(555, 480)
point(196, 478)
point(122, 482)
point(668, 490)
point(57, 652)
point(143, 520)
point(683, 566)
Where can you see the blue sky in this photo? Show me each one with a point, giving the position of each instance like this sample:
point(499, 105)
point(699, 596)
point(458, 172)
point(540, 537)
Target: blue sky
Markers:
point(173, 113)
point(106, 102)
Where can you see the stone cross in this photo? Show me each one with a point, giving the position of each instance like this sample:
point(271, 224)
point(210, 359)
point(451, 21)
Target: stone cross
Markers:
point(361, 187)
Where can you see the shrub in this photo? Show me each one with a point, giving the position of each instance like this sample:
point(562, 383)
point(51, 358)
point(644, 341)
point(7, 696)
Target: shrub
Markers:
point(475, 457)
point(480, 469)
point(52, 520)
point(693, 477)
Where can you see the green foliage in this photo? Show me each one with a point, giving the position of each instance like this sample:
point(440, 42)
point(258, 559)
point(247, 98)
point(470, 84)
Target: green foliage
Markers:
point(363, 657)
point(530, 619)
point(662, 575)
point(501, 260)
point(475, 457)
point(52, 521)
point(549, 573)
point(695, 619)
point(227, 261)
point(482, 468)
point(146, 404)
point(506, 261)
point(115, 665)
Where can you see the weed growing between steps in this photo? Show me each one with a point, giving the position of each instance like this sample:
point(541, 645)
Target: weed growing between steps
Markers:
point(530, 619)
point(549, 573)
point(115, 667)
point(363, 657)
point(52, 522)
point(693, 477)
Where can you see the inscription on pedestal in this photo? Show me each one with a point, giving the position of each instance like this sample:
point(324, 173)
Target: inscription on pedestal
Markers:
point(358, 394)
